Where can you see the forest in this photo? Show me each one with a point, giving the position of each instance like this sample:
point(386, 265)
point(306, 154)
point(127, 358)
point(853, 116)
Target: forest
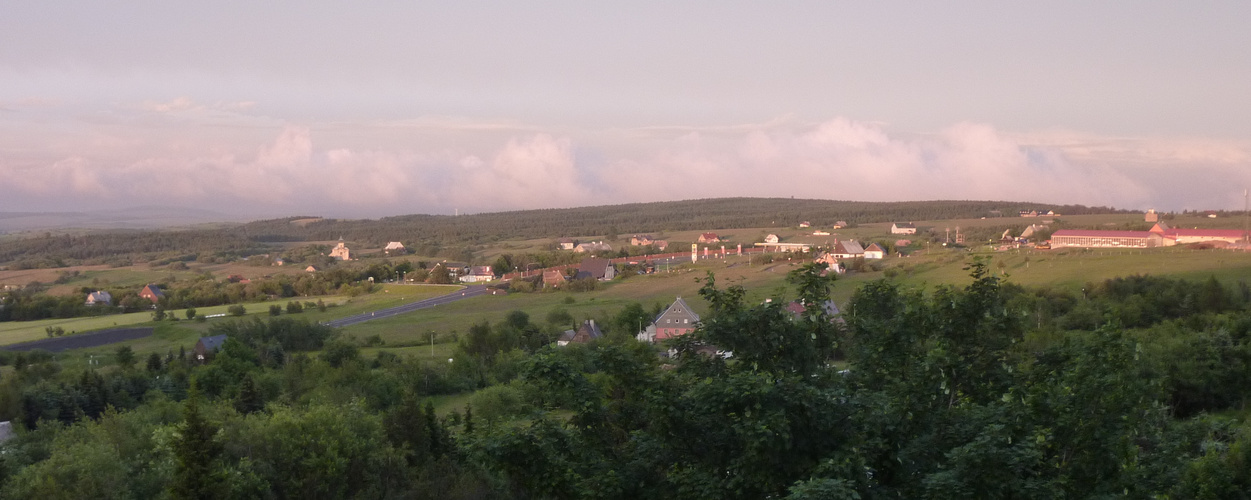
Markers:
point(1133, 387)
point(455, 237)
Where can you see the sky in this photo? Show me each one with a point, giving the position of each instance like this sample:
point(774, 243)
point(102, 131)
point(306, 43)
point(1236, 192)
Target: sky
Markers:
point(397, 107)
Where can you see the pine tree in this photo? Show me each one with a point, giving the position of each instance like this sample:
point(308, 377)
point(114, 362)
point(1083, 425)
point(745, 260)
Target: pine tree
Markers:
point(250, 399)
point(195, 451)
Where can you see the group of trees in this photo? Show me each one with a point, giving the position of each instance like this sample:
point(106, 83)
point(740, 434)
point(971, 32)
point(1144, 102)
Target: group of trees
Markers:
point(986, 390)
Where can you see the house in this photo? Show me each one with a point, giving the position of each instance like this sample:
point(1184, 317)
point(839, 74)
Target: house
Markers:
point(566, 243)
point(874, 251)
point(207, 346)
point(661, 245)
point(830, 261)
point(820, 233)
point(840, 224)
point(772, 238)
point(477, 274)
point(709, 238)
point(903, 228)
point(1029, 213)
point(98, 298)
point(847, 249)
point(311, 269)
point(394, 248)
point(1151, 216)
point(585, 333)
point(152, 293)
point(554, 278)
point(341, 252)
point(639, 240)
point(805, 224)
point(797, 308)
point(600, 269)
point(677, 320)
point(588, 247)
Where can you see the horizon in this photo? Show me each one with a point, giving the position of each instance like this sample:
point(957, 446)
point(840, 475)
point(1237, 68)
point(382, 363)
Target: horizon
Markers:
point(373, 111)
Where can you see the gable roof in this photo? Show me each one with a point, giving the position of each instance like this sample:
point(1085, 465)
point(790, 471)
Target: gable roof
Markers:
point(904, 225)
point(594, 267)
point(678, 310)
point(214, 342)
point(553, 275)
point(394, 245)
point(874, 247)
point(848, 247)
point(152, 289)
point(590, 330)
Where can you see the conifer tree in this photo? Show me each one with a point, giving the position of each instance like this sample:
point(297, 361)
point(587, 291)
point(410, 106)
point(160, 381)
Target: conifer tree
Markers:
point(196, 451)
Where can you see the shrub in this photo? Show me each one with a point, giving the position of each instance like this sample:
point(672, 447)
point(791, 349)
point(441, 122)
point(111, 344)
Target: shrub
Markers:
point(237, 310)
point(275, 310)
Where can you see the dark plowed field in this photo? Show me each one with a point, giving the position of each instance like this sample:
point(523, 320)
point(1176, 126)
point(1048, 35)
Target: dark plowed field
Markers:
point(79, 341)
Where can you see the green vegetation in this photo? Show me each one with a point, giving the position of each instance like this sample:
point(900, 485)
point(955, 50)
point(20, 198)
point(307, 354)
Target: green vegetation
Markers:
point(952, 372)
point(984, 389)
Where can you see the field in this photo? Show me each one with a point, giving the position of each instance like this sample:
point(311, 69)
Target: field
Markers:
point(12, 332)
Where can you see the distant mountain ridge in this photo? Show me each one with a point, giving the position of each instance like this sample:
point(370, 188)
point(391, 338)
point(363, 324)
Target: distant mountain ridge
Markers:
point(141, 217)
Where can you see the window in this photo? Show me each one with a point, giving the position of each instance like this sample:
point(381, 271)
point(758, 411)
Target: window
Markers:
point(686, 321)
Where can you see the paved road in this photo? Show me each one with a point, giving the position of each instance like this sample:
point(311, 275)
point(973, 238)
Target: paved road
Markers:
point(469, 291)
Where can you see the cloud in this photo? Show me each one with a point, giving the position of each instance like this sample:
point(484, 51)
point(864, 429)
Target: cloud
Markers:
point(390, 168)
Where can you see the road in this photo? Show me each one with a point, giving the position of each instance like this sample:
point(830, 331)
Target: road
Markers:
point(467, 292)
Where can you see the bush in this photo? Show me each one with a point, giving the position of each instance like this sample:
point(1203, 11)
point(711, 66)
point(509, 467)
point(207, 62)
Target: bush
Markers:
point(275, 310)
point(499, 402)
point(294, 308)
point(237, 310)
point(583, 285)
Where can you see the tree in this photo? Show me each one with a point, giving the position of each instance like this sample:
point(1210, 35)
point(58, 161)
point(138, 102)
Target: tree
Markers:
point(275, 310)
point(190, 313)
point(196, 452)
point(294, 307)
point(439, 275)
point(154, 362)
point(250, 399)
point(237, 310)
point(125, 356)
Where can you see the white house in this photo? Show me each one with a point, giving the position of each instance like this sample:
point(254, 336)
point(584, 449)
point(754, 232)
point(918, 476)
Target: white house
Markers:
point(477, 274)
point(903, 228)
point(100, 297)
point(874, 251)
point(772, 238)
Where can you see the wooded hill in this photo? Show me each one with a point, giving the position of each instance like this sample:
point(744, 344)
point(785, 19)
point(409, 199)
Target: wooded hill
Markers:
point(442, 231)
